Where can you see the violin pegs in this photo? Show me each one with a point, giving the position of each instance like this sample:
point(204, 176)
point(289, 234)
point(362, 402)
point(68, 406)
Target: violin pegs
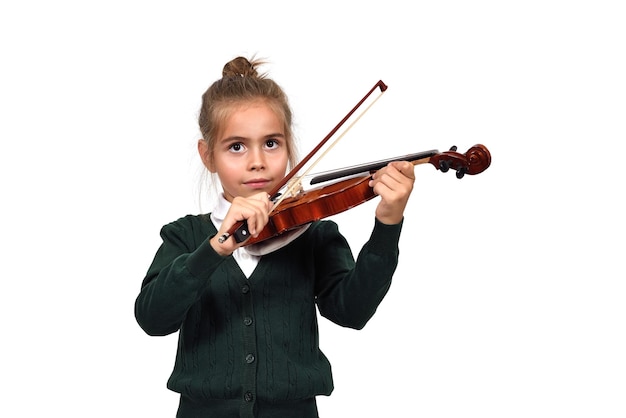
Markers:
point(461, 172)
point(453, 148)
point(444, 166)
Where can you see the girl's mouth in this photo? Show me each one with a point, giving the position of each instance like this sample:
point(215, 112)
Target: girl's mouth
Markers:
point(257, 183)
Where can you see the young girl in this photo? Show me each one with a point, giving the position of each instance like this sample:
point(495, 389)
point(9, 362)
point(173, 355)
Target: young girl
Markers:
point(248, 335)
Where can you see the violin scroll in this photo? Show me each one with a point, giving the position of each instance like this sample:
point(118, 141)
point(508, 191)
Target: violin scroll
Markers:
point(476, 160)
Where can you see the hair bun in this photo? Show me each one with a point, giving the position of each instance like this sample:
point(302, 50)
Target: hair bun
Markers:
point(240, 67)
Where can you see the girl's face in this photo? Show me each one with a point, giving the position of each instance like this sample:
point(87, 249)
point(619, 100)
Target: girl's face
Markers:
point(250, 154)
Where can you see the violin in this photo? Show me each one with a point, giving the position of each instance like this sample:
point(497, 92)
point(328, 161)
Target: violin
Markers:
point(336, 197)
point(352, 188)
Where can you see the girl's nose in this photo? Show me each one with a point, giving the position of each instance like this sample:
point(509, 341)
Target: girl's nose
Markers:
point(257, 160)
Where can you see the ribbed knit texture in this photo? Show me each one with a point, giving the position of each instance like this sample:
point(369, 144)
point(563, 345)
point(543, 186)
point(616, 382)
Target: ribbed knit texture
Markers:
point(247, 342)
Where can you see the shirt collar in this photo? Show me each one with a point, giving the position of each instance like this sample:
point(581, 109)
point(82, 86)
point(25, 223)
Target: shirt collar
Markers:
point(220, 210)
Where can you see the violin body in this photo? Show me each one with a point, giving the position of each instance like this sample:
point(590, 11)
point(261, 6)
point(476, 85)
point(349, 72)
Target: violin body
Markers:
point(313, 205)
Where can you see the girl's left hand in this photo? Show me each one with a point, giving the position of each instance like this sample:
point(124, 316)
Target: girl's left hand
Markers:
point(393, 184)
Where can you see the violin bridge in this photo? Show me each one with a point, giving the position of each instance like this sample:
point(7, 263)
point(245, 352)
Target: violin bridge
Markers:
point(289, 191)
point(294, 187)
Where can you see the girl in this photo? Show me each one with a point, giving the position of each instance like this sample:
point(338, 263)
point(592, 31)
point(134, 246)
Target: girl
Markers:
point(248, 335)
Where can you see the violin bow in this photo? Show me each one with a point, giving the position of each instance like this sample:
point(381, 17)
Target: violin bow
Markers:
point(240, 229)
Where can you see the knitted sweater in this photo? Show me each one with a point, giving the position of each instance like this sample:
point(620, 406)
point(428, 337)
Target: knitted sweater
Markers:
point(244, 341)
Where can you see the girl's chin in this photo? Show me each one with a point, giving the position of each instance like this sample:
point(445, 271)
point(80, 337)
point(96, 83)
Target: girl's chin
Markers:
point(244, 194)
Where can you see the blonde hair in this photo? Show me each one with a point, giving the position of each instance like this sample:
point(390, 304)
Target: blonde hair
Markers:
point(241, 83)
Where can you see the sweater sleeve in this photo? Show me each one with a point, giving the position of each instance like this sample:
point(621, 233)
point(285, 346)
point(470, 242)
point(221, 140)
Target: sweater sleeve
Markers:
point(175, 280)
point(350, 292)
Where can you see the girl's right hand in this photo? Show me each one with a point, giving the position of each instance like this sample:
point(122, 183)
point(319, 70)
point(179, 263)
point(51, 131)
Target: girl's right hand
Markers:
point(254, 209)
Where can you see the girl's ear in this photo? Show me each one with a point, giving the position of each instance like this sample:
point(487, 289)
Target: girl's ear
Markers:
point(203, 150)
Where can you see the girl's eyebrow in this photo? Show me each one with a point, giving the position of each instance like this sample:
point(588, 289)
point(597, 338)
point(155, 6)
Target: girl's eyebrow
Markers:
point(275, 135)
point(233, 138)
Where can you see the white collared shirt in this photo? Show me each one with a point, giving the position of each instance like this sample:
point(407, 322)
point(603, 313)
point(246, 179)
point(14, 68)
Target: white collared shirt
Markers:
point(247, 262)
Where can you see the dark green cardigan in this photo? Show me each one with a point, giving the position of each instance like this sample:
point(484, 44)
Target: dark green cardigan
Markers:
point(245, 342)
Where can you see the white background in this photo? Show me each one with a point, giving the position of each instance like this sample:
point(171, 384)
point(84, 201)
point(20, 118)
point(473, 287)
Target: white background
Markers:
point(509, 300)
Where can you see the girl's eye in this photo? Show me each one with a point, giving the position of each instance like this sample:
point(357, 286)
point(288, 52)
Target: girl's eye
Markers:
point(271, 143)
point(236, 147)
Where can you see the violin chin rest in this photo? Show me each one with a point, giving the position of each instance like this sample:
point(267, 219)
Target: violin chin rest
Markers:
point(270, 245)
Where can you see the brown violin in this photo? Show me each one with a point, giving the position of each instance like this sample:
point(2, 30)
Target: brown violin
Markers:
point(304, 207)
point(331, 199)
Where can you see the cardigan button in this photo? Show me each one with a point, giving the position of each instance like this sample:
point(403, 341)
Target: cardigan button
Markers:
point(250, 358)
point(245, 289)
point(248, 397)
point(247, 321)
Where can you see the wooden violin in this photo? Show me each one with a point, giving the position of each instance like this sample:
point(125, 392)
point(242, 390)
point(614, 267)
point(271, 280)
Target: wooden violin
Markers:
point(304, 207)
point(332, 199)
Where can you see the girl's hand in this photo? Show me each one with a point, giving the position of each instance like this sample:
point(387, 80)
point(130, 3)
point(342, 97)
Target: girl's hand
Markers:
point(254, 209)
point(393, 184)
